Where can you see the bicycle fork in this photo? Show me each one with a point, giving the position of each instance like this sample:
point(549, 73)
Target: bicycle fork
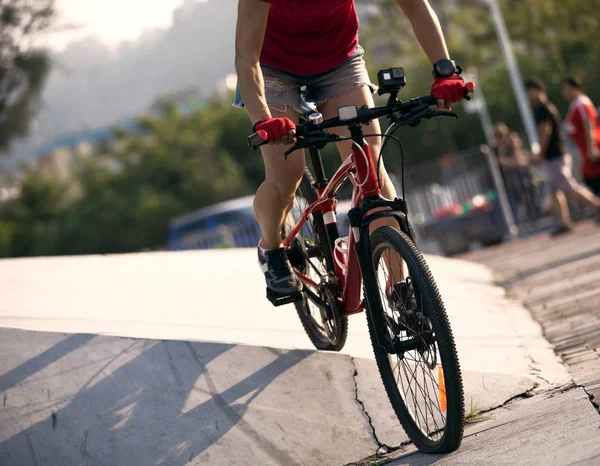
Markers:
point(360, 220)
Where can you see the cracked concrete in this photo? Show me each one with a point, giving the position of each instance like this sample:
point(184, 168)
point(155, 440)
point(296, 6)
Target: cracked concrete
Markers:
point(246, 403)
point(381, 447)
point(557, 427)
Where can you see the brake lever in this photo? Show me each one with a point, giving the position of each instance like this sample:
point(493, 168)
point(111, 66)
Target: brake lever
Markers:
point(305, 142)
point(445, 113)
point(294, 148)
point(415, 118)
point(426, 114)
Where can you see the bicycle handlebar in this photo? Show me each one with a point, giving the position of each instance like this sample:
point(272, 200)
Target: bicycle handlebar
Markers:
point(257, 139)
point(411, 112)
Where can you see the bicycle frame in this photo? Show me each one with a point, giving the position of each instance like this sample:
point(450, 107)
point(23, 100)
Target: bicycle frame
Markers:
point(359, 165)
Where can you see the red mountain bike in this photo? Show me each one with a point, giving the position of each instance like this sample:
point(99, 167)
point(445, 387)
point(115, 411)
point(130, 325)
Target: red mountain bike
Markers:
point(409, 329)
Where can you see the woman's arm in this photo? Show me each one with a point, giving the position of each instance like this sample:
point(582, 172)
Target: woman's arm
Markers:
point(249, 36)
point(426, 27)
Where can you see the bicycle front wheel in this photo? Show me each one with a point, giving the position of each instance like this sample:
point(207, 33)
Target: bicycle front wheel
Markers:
point(416, 354)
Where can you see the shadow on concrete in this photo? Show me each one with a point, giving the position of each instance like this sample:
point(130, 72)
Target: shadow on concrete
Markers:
point(161, 406)
point(42, 360)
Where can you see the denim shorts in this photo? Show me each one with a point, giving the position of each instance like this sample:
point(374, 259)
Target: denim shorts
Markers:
point(283, 89)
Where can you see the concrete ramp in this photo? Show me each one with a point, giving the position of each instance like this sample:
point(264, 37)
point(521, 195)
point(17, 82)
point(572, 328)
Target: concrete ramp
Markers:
point(177, 358)
point(84, 399)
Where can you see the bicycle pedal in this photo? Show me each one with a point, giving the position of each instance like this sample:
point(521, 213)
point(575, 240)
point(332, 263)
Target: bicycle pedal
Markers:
point(278, 299)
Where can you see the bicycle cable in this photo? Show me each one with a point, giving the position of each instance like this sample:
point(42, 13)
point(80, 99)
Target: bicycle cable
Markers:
point(360, 185)
point(385, 138)
point(389, 131)
point(389, 134)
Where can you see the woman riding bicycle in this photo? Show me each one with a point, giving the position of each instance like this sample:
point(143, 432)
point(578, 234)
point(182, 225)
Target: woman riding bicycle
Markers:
point(284, 45)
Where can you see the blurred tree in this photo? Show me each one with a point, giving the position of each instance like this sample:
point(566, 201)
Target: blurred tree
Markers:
point(227, 128)
point(561, 33)
point(29, 224)
point(171, 166)
point(23, 69)
point(128, 192)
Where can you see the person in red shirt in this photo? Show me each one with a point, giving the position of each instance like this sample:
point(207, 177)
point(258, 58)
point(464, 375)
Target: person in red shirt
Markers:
point(581, 123)
point(284, 45)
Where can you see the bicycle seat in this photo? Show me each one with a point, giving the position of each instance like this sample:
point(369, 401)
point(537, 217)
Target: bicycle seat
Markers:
point(307, 104)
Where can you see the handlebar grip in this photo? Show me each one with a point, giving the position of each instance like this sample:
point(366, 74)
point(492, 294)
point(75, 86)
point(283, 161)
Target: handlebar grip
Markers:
point(428, 100)
point(255, 140)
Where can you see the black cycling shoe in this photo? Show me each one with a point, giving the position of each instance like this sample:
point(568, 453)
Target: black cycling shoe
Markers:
point(283, 286)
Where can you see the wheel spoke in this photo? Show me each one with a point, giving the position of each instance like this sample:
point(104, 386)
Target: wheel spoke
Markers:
point(428, 405)
point(436, 399)
point(426, 372)
point(426, 397)
point(426, 392)
point(414, 396)
point(436, 386)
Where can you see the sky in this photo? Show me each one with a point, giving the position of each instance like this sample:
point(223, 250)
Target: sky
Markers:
point(111, 21)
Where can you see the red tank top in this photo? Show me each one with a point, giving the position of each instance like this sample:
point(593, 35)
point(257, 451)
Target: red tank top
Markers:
point(308, 37)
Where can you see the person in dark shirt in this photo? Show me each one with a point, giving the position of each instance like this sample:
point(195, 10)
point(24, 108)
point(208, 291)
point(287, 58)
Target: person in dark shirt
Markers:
point(555, 159)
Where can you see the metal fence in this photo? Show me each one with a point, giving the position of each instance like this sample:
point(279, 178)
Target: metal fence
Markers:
point(462, 198)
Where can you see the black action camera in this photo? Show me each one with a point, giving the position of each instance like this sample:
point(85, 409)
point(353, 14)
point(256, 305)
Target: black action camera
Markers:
point(391, 80)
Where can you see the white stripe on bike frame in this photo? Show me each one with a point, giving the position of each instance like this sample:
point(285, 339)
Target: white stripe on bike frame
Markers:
point(329, 217)
point(356, 234)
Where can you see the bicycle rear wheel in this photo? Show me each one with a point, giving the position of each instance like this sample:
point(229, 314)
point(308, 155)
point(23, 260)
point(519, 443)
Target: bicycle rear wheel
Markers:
point(417, 356)
point(326, 326)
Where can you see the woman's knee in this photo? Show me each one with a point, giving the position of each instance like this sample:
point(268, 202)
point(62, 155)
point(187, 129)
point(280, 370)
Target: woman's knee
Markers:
point(286, 187)
point(286, 181)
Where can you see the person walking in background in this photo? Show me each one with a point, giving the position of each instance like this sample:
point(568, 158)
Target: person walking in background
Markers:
point(581, 123)
point(557, 163)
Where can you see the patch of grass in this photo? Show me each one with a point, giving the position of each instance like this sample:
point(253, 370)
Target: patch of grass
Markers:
point(473, 415)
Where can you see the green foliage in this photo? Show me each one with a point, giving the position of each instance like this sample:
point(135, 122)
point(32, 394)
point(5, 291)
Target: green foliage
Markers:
point(23, 70)
point(122, 199)
point(29, 223)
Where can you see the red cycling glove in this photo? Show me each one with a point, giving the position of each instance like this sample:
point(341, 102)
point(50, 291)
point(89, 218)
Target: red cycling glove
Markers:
point(451, 89)
point(274, 128)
